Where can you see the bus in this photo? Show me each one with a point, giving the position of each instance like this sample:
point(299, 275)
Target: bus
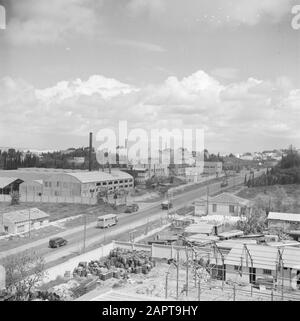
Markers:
point(107, 220)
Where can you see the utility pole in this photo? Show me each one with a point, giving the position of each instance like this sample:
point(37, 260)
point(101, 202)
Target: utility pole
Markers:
point(177, 277)
point(84, 231)
point(207, 195)
point(29, 218)
point(187, 271)
point(166, 289)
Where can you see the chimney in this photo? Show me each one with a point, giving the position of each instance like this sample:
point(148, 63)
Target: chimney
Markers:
point(90, 152)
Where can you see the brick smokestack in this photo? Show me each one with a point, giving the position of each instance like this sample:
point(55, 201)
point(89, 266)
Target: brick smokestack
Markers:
point(90, 152)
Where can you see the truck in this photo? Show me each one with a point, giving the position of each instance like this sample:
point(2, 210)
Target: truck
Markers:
point(107, 220)
point(166, 205)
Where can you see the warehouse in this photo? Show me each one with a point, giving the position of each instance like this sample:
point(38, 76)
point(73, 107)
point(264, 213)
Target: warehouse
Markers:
point(86, 184)
point(9, 184)
point(23, 220)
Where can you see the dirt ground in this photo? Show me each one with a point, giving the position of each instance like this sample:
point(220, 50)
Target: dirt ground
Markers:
point(154, 285)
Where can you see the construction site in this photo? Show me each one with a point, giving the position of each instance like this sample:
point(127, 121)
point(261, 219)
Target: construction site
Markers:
point(176, 264)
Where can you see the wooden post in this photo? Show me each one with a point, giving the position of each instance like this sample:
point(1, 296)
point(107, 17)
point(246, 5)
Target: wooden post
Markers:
point(166, 293)
point(199, 290)
point(177, 277)
point(84, 232)
point(234, 290)
point(187, 271)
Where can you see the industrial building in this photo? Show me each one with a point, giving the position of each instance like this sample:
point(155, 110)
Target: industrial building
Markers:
point(86, 184)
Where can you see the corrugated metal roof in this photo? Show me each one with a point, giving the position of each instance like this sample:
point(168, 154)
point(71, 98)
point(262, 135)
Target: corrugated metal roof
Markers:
point(24, 215)
point(291, 257)
point(232, 233)
point(200, 228)
point(5, 181)
point(229, 244)
point(202, 238)
point(284, 216)
point(264, 257)
point(99, 176)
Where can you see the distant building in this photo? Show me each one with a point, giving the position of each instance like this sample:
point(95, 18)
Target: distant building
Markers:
point(225, 204)
point(23, 220)
point(76, 161)
point(285, 221)
point(212, 168)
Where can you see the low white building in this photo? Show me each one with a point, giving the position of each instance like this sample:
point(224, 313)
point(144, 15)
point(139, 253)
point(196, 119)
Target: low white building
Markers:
point(225, 204)
point(22, 221)
point(285, 221)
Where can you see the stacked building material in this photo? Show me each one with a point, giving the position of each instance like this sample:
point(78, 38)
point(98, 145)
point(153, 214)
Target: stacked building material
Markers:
point(118, 264)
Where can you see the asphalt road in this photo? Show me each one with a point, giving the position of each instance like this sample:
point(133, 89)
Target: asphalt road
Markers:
point(127, 222)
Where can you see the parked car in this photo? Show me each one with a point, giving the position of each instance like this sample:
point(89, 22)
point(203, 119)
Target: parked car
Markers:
point(132, 208)
point(166, 205)
point(57, 242)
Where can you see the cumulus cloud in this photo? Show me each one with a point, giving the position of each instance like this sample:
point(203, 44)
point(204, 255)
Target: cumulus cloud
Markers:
point(252, 109)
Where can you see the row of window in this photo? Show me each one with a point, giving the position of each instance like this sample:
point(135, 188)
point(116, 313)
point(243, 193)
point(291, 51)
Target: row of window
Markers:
point(265, 271)
point(66, 185)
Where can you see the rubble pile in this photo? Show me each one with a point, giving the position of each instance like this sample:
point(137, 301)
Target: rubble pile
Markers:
point(118, 264)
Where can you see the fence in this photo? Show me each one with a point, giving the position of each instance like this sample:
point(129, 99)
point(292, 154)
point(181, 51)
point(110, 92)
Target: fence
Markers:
point(239, 280)
point(52, 199)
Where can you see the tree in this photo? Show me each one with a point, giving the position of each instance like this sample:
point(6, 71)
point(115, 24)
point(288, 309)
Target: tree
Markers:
point(15, 198)
point(23, 274)
point(255, 222)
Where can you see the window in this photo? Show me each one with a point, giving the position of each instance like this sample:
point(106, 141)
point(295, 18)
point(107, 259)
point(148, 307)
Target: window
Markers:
point(57, 184)
point(268, 272)
point(46, 184)
point(214, 207)
point(231, 208)
point(98, 184)
point(236, 268)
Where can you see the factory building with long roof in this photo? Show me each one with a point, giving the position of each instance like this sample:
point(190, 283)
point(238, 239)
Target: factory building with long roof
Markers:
point(85, 183)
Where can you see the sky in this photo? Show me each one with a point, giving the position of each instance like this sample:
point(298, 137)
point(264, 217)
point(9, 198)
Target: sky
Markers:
point(70, 67)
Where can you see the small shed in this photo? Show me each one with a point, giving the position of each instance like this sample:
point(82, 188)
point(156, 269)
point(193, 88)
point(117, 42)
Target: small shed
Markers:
point(24, 220)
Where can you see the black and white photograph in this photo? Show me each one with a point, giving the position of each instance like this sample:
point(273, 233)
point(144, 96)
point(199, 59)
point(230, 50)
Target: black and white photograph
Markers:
point(149, 151)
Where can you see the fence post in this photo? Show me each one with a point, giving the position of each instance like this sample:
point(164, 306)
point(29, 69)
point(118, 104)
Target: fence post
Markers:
point(166, 293)
point(199, 290)
point(234, 290)
point(272, 295)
